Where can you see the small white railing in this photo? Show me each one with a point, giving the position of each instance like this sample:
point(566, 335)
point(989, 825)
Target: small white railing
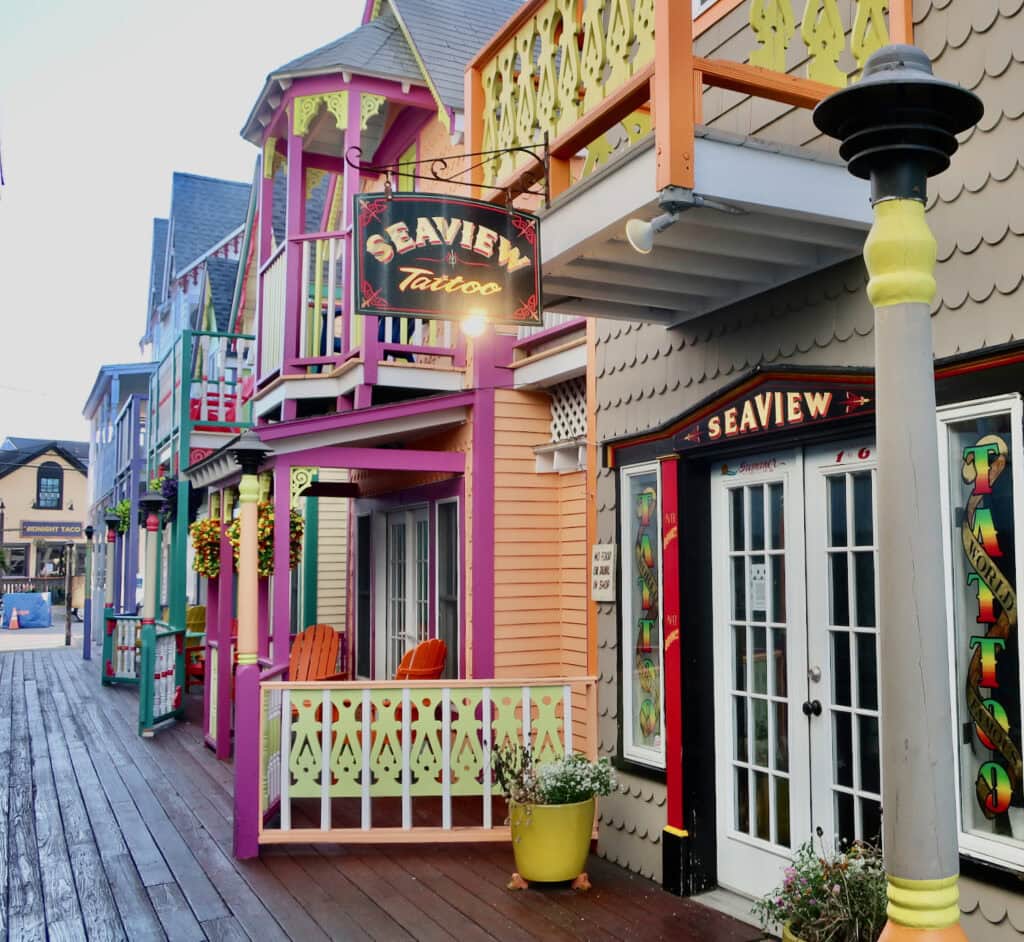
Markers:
point(125, 660)
point(404, 740)
point(273, 280)
point(165, 687)
point(323, 277)
point(551, 319)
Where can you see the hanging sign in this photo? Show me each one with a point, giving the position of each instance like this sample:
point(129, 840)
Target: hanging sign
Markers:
point(421, 255)
point(47, 529)
point(766, 404)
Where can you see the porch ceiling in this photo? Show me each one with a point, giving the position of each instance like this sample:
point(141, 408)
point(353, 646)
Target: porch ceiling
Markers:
point(798, 214)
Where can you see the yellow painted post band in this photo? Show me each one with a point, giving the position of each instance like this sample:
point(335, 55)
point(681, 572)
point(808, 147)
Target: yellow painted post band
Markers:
point(678, 832)
point(900, 254)
point(924, 904)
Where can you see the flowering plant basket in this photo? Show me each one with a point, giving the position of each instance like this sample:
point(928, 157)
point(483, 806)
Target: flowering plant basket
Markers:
point(551, 813)
point(167, 487)
point(265, 538)
point(123, 509)
point(206, 545)
point(831, 897)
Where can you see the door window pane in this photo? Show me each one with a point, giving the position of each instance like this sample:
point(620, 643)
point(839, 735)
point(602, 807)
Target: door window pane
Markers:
point(736, 514)
point(867, 671)
point(740, 728)
point(864, 582)
point(448, 583)
point(742, 792)
point(782, 810)
point(756, 517)
point(776, 508)
point(837, 510)
point(739, 680)
point(863, 522)
point(839, 601)
point(843, 748)
point(870, 777)
point(841, 668)
point(760, 731)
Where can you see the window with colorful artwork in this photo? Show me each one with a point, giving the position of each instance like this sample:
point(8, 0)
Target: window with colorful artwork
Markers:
point(982, 450)
point(643, 737)
point(49, 486)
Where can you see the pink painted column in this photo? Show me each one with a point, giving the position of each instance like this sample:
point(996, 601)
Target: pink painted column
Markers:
point(295, 225)
point(281, 624)
point(247, 677)
point(266, 238)
point(225, 663)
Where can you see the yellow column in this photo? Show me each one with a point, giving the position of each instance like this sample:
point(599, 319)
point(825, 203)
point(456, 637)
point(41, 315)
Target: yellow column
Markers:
point(248, 562)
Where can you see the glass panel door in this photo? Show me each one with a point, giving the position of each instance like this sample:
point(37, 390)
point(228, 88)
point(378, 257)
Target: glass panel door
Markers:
point(843, 642)
point(396, 592)
point(761, 734)
point(407, 588)
point(448, 582)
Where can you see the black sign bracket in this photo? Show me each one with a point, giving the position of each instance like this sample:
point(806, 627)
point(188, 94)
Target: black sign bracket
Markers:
point(458, 168)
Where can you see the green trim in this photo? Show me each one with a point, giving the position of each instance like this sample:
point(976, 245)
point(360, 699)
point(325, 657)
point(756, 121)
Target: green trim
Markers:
point(147, 665)
point(108, 639)
point(442, 111)
point(311, 539)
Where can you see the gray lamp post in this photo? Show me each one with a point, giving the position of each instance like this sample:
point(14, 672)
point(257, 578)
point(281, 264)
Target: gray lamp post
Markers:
point(249, 452)
point(897, 127)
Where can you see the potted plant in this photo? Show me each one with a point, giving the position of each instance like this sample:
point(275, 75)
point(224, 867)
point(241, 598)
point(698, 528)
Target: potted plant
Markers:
point(829, 897)
point(206, 546)
point(551, 813)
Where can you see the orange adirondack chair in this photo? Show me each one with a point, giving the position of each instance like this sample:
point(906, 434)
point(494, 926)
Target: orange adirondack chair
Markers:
point(315, 655)
point(423, 662)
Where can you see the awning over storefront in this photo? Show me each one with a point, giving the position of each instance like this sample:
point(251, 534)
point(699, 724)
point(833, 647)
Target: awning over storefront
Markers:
point(786, 214)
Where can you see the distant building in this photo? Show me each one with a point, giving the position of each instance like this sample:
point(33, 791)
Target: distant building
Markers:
point(43, 503)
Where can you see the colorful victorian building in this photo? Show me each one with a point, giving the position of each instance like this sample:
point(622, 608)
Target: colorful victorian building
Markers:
point(734, 404)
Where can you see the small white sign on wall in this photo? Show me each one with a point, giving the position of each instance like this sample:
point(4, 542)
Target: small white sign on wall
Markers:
point(758, 587)
point(602, 572)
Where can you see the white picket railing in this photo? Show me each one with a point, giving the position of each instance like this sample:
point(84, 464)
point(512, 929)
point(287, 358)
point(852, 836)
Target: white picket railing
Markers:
point(273, 281)
point(125, 653)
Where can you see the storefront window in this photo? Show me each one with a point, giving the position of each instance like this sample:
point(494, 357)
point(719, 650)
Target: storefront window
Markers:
point(642, 675)
point(982, 446)
point(17, 560)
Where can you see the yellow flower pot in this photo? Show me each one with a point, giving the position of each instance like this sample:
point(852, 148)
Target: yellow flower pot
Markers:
point(788, 936)
point(551, 842)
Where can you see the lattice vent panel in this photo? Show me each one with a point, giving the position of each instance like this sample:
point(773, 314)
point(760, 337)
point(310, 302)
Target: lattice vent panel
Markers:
point(569, 410)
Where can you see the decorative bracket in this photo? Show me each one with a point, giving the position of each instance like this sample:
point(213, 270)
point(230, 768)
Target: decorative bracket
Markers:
point(300, 480)
point(306, 107)
point(453, 169)
point(369, 106)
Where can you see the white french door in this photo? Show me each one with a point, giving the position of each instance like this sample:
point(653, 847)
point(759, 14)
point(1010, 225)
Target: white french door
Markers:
point(842, 579)
point(405, 600)
point(761, 668)
point(796, 645)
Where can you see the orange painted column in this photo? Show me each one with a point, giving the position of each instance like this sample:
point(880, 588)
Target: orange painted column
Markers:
point(672, 91)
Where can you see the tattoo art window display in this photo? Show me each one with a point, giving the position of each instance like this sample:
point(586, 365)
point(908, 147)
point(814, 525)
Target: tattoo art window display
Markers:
point(982, 455)
point(642, 658)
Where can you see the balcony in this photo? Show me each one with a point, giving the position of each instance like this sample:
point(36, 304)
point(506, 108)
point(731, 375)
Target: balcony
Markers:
point(760, 200)
point(199, 397)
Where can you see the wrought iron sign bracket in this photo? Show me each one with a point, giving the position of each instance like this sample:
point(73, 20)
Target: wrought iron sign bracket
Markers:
point(455, 169)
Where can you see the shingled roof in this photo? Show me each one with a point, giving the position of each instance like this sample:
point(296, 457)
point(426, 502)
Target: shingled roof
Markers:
point(158, 257)
point(16, 452)
point(204, 212)
point(222, 273)
point(447, 43)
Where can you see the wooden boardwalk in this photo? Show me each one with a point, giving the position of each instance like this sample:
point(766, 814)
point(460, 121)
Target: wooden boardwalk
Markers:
point(109, 836)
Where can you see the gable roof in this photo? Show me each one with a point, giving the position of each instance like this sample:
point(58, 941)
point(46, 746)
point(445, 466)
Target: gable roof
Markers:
point(18, 452)
point(158, 256)
point(105, 375)
point(204, 212)
point(222, 273)
point(377, 49)
point(446, 44)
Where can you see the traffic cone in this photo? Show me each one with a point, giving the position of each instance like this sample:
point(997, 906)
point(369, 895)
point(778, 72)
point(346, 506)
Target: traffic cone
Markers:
point(13, 623)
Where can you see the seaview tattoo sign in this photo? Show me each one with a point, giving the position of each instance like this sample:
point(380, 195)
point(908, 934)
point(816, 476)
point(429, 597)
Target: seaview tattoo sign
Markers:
point(421, 255)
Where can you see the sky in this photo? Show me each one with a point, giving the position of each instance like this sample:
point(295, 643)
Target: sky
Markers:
point(100, 101)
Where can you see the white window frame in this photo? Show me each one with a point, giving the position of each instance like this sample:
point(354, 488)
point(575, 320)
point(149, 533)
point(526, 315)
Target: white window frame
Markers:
point(987, 849)
point(642, 755)
point(436, 563)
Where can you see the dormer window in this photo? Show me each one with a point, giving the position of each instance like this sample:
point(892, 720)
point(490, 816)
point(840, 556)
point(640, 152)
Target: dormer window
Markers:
point(50, 486)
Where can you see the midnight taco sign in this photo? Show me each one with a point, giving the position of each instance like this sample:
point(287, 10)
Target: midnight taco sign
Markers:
point(420, 255)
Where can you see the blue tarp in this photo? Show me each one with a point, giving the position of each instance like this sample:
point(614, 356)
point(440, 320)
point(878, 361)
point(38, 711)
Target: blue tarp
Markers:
point(33, 609)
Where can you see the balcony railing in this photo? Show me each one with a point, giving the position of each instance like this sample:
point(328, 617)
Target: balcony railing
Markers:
point(568, 71)
point(327, 334)
point(384, 746)
point(215, 376)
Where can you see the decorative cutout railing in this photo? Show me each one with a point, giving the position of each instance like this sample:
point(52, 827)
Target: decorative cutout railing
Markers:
point(569, 72)
point(371, 743)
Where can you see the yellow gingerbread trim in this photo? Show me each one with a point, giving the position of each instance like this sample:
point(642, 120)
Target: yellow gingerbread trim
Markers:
point(900, 254)
point(924, 904)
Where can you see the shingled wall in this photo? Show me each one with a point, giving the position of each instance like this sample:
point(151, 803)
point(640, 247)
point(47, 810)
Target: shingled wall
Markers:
point(647, 374)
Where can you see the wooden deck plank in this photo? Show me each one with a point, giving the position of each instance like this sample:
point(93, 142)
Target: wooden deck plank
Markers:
point(190, 776)
point(133, 903)
point(26, 918)
point(60, 897)
point(175, 916)
point(6, 687)
point(99, 912)
point(226, 929)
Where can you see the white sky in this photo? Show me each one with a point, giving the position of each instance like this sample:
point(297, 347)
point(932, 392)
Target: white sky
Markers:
point(100, 101)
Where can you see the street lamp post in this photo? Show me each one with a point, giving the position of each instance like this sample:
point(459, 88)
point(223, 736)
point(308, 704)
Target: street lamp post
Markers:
point(112, 521)
point(897, 127)
point(69, 581)
point(87, 604)
point(249, 452)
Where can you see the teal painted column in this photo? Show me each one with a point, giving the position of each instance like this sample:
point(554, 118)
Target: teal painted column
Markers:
point(310, 544)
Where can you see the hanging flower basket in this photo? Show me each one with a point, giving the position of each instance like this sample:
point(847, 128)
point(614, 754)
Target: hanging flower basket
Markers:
point(167, 487)
point(206, 546)
point(265, 538)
